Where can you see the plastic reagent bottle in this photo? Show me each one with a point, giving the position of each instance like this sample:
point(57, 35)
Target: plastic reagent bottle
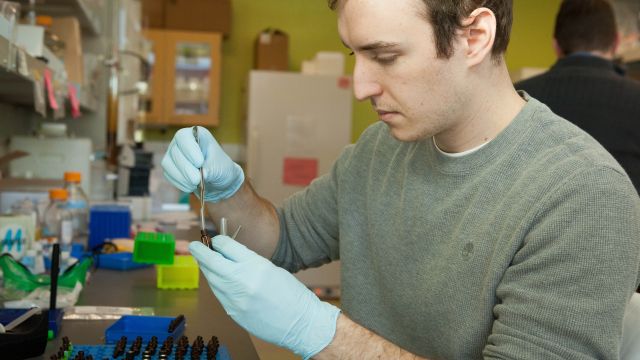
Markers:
point(57, 220)
point(77, 202)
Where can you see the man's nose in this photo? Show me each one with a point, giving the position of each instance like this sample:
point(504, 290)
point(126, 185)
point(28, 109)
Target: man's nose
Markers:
point(365, 84)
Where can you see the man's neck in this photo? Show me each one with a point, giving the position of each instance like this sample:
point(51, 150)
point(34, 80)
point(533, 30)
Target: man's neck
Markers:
point(486, 113)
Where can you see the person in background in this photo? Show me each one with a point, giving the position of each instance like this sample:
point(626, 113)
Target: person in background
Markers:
point(470, 221)
point(586, 87)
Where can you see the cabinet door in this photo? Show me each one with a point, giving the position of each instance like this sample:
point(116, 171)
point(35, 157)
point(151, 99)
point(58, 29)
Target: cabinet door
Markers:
point(192, 78)
point(153, 100)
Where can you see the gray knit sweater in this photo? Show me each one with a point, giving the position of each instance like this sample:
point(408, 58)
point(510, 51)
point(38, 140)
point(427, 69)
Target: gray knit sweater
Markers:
point(526, 249)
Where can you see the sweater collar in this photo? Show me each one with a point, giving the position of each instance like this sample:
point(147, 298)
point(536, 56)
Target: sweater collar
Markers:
point(587, 60)
point(503, 143)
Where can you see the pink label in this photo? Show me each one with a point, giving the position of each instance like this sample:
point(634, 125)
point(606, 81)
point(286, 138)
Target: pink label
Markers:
point(75, 104)
point(49, 85)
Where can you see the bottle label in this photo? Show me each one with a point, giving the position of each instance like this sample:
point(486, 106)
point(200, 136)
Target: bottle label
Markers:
point(76, 204)
point(66, 231)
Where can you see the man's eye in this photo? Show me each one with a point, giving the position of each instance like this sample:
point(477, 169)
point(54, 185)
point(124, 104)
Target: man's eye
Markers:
point(386, 60)
point(351, 53)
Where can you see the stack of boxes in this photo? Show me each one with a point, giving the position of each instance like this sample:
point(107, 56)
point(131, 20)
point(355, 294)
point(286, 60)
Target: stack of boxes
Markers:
point(173, 271)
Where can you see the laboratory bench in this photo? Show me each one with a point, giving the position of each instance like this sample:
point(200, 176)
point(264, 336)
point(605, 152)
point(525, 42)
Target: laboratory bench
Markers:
point(137, 289)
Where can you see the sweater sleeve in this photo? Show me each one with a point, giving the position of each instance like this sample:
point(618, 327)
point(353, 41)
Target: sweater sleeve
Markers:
point(565, 292)
point(309, 234)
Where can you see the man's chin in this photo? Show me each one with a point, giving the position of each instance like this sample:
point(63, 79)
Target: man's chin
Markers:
point(405, 135)
point(400, 135)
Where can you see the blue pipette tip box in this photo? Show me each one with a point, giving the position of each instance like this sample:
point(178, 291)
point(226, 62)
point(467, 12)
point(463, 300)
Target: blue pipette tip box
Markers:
point(106, 352)
point(146, 327)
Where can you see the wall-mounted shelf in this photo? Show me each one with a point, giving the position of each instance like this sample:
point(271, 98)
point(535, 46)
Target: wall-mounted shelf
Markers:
point(17, 87)
point(89, 18)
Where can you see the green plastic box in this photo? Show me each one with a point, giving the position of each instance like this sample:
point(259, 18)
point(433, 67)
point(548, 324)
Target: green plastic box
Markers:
point(154, 248)
point(183, 274)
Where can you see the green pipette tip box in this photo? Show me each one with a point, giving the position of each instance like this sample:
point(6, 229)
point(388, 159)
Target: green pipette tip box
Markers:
point(183, 274)
point(154, 248)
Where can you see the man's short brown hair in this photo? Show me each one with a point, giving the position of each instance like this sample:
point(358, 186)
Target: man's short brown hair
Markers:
point(585, 25)
point(446, 15)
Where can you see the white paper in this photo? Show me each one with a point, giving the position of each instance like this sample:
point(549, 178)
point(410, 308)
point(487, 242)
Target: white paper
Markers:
point(61, 111)
point(23, 67)
point(300, 139)
point(39, 102)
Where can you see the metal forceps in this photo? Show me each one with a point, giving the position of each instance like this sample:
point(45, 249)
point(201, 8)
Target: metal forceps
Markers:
point(204, 236)
point(222, 229)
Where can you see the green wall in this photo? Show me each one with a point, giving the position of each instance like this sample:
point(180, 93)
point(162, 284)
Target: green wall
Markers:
point(312, 27)
point(532, 34)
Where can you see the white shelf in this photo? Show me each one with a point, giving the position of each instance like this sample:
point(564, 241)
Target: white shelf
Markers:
point(18, 88)
point(89, 18)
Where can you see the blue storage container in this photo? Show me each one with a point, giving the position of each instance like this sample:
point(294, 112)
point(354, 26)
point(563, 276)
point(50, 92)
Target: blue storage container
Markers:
point(108, 222)
point(146, 327)
point(119, 261)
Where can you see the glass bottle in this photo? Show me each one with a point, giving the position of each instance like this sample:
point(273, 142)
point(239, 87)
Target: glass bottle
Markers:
point(77, 203)
point(57, 223)
point(29, 207)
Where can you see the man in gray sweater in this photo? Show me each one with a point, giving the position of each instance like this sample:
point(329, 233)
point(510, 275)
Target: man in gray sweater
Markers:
point(471, 221)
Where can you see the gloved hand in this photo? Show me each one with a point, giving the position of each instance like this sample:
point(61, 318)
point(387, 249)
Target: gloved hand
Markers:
point(184, 158)
point(264, 299)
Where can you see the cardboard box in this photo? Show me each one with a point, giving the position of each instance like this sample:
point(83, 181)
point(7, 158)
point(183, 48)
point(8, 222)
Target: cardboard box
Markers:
point(272, 50)
point(153, 14)
point(198, 15)
point(68, 30)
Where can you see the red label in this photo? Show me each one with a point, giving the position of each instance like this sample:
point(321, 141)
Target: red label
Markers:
point(299, 171)
point(344, 82)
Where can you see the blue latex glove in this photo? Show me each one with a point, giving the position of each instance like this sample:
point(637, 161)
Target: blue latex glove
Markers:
point(264, 299)
point(184, 158)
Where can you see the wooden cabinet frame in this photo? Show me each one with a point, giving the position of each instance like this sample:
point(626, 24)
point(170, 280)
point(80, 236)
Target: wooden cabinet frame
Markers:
point(162, 87)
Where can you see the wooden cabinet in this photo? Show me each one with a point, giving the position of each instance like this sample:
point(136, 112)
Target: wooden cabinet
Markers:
point(188, 15)
point(184, 88)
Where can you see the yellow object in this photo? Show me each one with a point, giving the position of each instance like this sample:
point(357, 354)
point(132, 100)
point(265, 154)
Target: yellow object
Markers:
point(183, 274)
point(123, 245)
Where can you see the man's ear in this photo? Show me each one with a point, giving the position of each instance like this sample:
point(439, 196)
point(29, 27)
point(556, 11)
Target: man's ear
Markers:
point(616, 44)
point(478, 35)
point(557, 49)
